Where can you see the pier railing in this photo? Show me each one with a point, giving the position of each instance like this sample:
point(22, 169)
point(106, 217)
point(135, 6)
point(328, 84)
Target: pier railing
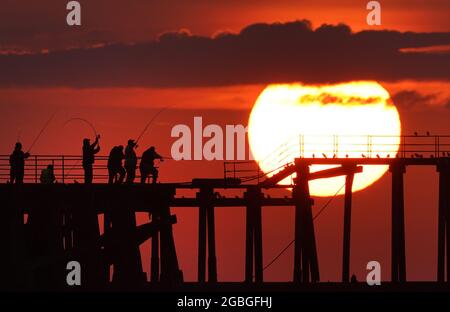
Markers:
point(340, 147)
point(67, 168)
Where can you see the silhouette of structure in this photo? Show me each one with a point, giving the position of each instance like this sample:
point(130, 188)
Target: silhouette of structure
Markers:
point(45, 226)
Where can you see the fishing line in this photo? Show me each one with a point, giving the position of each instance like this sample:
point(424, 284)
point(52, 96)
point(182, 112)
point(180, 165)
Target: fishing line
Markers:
point(85, 121)
point(42, 131)
point(293, 241)
point(93, 130)
point(151, 121)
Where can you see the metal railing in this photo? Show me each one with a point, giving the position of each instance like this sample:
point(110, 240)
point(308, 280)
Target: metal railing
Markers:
point(355, 146)
point(67, 168)
point(340, 146)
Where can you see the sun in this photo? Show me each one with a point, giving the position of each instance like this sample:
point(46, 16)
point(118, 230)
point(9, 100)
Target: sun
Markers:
point(354, 120)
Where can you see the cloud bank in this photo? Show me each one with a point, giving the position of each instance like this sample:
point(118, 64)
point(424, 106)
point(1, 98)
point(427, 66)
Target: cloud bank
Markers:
point(259, 54)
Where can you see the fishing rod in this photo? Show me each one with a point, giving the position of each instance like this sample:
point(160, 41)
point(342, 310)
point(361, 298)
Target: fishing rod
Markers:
point(91, 125)
point(151, 121)
point(85, 121)
point(42, 131)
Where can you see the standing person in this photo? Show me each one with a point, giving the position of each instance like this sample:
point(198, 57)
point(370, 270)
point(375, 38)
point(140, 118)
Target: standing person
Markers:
point(115, 165)
point(147, 165)
point(17, 163)
point(130, 161)
point(89, 151)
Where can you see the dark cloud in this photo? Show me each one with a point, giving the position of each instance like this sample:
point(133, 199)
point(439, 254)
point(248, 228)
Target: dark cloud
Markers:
point(409, 99)
point(327, 98)
point(260, 53)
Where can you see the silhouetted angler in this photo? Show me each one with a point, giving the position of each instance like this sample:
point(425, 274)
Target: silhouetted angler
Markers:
point(89, 151)
point(17, 163)
point(48, 175)
point(147, 165)
point(115, 165)
point(130, 161)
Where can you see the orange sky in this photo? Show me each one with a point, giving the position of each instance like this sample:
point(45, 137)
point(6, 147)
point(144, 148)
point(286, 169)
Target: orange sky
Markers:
point(40, 25)
point(121, 113)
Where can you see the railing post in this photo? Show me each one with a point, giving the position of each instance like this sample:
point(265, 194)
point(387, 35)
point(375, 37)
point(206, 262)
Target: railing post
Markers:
point(398, 256)
point(438, 150)
point(337, 145)
point(62, 168)
point(35, 169)
point(258, 171)
point(302, 145)
point(402, 146)
point(347, 225)
point(306, 267)
point(334, 144)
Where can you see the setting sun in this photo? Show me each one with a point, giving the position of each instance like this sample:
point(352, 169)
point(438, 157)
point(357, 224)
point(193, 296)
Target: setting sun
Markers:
point(353, 120)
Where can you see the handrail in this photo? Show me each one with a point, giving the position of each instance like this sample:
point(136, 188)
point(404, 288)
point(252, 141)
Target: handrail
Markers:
point(66, 168)
point(340, 146)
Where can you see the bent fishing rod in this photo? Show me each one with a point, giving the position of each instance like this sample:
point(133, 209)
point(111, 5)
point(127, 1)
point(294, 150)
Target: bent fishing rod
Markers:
point(96, 135)
point(85, 121)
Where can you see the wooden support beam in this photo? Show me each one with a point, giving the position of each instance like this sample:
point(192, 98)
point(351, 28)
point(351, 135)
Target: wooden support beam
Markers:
point(314, 261)
point(170, 270)
point(106, 231)
point(86, 237)
point(334, 172)
point(443, 263)
point(304, 242)
point(201, 271)
point(155, 272)
point(323, 174)
point(249, 243)
point(398, 262)
point(441, 225)
point(205, 198)
point(212, 262)
point(297, 278)
point(347, 228)
point(231, 202)
point(254, 248)
point(306, 268)
point(279, 176)
point(258, 245)
point(126, 257)
point(154, 260)
point(447, 225)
